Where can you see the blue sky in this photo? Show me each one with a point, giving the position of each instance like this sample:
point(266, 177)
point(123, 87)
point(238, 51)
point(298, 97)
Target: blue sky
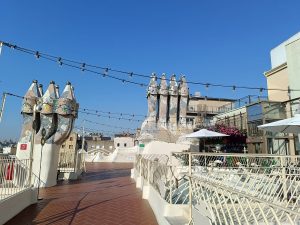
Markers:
point(225, 42)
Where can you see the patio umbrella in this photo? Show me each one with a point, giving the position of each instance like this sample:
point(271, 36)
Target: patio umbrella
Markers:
point(204, 133)
point(290, 125)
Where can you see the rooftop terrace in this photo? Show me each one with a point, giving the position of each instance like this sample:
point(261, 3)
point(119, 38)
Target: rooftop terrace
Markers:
point(105, 195)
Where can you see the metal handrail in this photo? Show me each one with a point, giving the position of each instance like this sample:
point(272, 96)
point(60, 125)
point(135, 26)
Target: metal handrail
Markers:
point(15, 176)
point(265, 188)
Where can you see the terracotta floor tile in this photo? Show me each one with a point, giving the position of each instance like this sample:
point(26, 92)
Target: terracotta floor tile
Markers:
point(106, 195)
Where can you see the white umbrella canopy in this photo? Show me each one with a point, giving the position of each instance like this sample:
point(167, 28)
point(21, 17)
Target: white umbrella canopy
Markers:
point(290, 125)
point(203, 133)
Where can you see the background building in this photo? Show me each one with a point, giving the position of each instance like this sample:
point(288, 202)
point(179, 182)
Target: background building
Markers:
point(282, 102)
point(124, 140)
point(285, 74)
point(70, 144)
point(98, 141)
point(202, 109)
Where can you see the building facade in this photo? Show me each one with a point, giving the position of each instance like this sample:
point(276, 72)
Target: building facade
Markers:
point(285, 75)
point(70, 144)
point(98, 141)
point(282, 102)
point(202, 109)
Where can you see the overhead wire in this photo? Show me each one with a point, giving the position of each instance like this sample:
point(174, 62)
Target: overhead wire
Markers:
point(84, 67)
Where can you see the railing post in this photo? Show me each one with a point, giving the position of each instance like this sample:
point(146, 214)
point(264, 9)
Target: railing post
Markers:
point(76, 162)
point(171, 191)
point(190, 186)
point(283, 179)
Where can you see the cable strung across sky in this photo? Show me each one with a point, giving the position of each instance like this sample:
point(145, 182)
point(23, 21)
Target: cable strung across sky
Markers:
point(107, 114)
point(107, 71)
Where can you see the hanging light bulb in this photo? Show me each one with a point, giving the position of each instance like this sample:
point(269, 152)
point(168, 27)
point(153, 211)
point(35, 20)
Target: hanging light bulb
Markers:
point(83, 67)
point(261, 90)
point(233, 87)
point(207, 86)
point(123, 81)
point(37, 55)
point(131, 74)
point(105, 72)
point(59, 61)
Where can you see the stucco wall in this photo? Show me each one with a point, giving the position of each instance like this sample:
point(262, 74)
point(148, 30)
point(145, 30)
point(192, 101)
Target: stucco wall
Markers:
point(126, 142)
point(293, 62)
point(278, 54)
point(278, 79)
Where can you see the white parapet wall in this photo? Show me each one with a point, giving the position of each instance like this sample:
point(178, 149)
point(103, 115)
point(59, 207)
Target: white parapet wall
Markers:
point(165, 213)
point(120, 154)
point(164, 148)
point(13, 205)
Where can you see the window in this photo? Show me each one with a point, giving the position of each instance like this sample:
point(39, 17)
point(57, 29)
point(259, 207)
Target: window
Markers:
point(125, 144)
point(71, 138)
point(70, 146)
point(63, 146)
point(118, 145)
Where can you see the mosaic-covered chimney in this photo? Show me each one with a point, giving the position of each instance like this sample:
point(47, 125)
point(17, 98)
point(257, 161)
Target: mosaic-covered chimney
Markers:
point(173, 102)
point(152, 98)
point(183, 101)
point(28, 129)
point(163, 101)
point(54, 120)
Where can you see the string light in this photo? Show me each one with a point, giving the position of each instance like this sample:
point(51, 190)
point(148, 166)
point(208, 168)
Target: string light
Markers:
point(37, 54)
point(78, 65)
point(108, 125)
point(83, 67)
point(59, 61)
point(261, 90)
point(105, 72)
point(120, 115)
